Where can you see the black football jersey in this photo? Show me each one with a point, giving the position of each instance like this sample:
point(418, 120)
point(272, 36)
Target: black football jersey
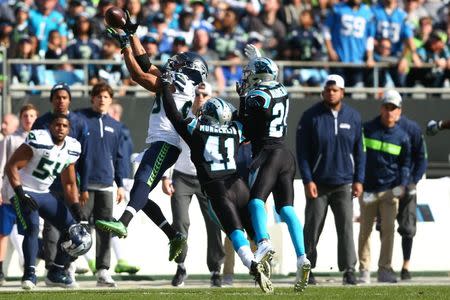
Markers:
point(264, 115)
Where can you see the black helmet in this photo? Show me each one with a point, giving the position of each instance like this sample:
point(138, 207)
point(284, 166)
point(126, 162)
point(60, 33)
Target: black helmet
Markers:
point(190, 64)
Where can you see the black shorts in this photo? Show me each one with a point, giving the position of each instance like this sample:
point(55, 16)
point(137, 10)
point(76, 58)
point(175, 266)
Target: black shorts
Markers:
point(273, 171)
point(229, 199)
point(407, 216)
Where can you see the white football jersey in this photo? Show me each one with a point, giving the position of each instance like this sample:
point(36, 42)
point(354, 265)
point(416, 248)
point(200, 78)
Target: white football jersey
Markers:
point(48, 160)
point(159, 126)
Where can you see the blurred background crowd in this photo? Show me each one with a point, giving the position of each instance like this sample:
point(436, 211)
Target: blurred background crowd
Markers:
point(410, 36)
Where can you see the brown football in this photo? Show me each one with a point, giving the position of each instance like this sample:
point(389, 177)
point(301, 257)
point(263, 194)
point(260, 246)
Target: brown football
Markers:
point(115, 17)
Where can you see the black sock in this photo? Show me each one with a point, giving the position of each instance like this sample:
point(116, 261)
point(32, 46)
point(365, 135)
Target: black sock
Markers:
point(126, 218)
point(153, 211)
point(1, 266)
point(407, 247)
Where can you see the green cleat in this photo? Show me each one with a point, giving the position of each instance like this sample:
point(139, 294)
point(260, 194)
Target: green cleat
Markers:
point(177, 245)
point(123, 267)
point(115, 227)
point(91, 264)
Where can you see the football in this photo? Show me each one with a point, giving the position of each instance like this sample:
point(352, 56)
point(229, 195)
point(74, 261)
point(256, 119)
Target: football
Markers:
point(115, 17)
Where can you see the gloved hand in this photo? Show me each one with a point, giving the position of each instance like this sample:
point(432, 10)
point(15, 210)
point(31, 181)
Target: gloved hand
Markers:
point(130, 27)
point(239, 89)
point(179, 80)
point(25, 199)
point(122, 38)
point(433, 127)
point(251, 51)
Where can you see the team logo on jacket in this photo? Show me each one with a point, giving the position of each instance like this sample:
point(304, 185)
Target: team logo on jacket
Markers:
point(110, 129)
point(344, 126)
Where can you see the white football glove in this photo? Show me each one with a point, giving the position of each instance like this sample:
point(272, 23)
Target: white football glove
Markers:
point(251, 51)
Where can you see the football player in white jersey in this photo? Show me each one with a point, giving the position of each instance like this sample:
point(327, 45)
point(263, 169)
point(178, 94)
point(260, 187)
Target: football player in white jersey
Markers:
point(31, 170)
point(189, 70)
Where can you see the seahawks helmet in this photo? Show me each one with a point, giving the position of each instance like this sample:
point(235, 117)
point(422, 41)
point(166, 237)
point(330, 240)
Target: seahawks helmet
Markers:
point(190, 64)
point(78, 242)
point(215, 111)
point(257, 70)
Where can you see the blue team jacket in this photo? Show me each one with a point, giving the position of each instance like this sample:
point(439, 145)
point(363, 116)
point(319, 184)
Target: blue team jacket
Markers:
point(79, 131)
point(388, 156)
point(330, 150)
point(105, 151)
point(419, 157)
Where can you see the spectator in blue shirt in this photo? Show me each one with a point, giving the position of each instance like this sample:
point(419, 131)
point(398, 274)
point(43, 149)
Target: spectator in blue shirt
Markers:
point(348, 33)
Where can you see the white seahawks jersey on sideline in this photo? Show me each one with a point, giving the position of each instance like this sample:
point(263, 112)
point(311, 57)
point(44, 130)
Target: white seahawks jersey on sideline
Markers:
point(159, 126)
point(48, 160)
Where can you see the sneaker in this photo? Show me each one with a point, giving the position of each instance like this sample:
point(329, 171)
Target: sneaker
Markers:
point(386, 275)
point(312, 279)
point(177, 244)
point(216, 280)
point(364, 277)
point(2, 278)
point(265, 251)
point(349, 277)
point(405, 275)
point(302, 278)
point(58, 277)
point(104, 279)
point(123, 267)
point(29, 280)
point(227, 280)
point(115, 227)
point(91, 264)
point(256, 269)
point(179, 277)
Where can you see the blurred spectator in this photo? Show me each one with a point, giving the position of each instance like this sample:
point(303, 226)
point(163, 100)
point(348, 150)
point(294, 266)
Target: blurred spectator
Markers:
point(444, 23)
point(306, 44)
point(248, 7)
point(200, 15)
point(200, 46)
point(134, 7)
point(45, 19)
point(391, 23)
point(290, 12)
point(21, 27)
point(83, 46)
point(98, 21)
point(150, 8)
point(186, 29)
point(423, 31)
point(150, 44)
point(382, 53)
point(348, 33)
point(415, 12)
point(6, 29)
point(268, 24)
point(116, 75)
point(25, 73)
point(179, 45)
point(168, 24)
point(233, 73)
point(55, 51)
point(434, 51)
point(158, 27)
point(6, 13)
point(75, 8)
point(229, 36)
point(10, 123)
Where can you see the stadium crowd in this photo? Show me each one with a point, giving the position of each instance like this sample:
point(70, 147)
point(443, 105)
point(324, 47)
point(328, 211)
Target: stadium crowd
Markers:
point(404, 34)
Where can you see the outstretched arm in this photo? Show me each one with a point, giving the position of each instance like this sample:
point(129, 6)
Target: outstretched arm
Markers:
point(146, 80)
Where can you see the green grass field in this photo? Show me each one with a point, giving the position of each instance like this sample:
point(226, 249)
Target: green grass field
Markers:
point(374, 292)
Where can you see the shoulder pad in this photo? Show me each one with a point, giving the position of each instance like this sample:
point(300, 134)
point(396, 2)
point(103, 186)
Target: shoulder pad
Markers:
point(39, 139)
point(257, 98)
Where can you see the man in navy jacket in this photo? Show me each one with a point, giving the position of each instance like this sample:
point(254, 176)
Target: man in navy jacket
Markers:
point(387, 175)
point(331, 158)
point(105, 157)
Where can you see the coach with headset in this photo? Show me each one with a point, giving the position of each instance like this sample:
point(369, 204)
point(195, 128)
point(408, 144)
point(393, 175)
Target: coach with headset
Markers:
point(331, 158)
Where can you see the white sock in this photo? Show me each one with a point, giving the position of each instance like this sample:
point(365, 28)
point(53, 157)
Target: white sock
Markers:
point(246, 255)
point(115, 241)
point(301, 260)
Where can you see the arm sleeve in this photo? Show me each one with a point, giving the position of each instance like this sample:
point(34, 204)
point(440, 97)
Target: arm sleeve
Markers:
point(419, 157)
point(304, 148)
point(405, 162)
point(172, 113)
point(359, 154)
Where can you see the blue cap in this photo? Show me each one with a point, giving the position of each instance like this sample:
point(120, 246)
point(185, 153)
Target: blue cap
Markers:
point(60, 86)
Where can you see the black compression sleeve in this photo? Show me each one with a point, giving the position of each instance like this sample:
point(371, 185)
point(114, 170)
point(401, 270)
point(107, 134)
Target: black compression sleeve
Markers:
point(144, 62)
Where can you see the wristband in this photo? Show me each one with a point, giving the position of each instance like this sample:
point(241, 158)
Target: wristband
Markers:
point(144, 62)
point(76, 211)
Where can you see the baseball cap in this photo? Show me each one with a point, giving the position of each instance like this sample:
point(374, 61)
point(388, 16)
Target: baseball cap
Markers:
point(149, 39)
point(179, 40)
point(393, 97)
point(204, 87)
point(335, 79)
point(60, 86)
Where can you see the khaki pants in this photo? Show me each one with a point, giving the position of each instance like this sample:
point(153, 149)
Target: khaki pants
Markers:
point(387, 205)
